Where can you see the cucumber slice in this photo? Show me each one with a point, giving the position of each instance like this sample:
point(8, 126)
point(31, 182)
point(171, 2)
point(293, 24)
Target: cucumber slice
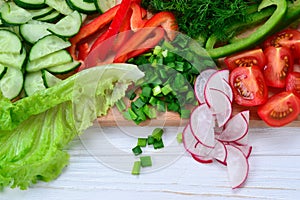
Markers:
point(67, 26)
point(40, 12)
point(13, 59)
point(51, 18)
point(54, 59)
point(12, 14)
point(30, 4)
point(49, 79)
point(11, 83)
point(60, 5)
point(3, 70)
point(33, 83)
point(47, 45)
point(10, 42)
point(32, 32)
point(64, 68)
point(81, 6)
point(103, 6)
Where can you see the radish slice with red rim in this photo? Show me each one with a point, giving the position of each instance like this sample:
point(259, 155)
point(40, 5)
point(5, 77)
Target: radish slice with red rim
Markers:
point(192, 145)
point(202, 159)
point(202, 125)
point(246, 149)
point(219, 152)
point(218, 101)
point(200, 83)
point(235, 129)
point(237, 166)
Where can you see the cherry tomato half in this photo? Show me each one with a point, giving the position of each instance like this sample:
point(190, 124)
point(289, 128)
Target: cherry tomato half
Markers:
point(289, 38)
point(280, 109)
point(293, 83)
point(248, 86)
point(246, 59)
point(279, 64)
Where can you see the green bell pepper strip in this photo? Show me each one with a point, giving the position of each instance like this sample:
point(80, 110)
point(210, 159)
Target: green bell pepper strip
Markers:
point(257, 36)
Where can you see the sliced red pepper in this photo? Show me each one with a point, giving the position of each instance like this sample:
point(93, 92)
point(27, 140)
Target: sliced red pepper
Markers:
point(139, 43)
point(138, 14)
point(83, 50)
point(91, 28)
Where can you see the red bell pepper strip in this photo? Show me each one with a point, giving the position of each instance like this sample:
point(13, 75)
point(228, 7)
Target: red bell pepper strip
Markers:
point(91, 28)
point(139, 43)
point(83, 50)
point(137, 16)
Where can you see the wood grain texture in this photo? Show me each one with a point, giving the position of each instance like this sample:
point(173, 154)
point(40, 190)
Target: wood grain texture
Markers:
point(274, 170)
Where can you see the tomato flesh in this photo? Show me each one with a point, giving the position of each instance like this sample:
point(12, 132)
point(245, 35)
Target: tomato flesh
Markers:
point(289, 38)
point(293, 83)
point(279, 64)
point(248, 86)
point(280, 109)
point(246, 59)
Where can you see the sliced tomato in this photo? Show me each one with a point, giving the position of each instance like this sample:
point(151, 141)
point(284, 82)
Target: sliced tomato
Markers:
point(293, 83)
point(280, 109)
point(246, 59)
point(279, 64)
point(289, 38)
point(248, 86)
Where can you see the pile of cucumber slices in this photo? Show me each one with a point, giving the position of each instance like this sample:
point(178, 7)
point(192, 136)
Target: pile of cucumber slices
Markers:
point(34, 36)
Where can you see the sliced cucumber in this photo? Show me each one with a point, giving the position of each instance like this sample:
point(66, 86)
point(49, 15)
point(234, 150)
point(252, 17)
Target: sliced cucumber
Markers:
point(67, 26)
point(59, 5)
point(10, 42)
point(57, 58)
point(32, 32)
point(47, 45)
point(41, 12)
point(30, 4)
point(13, 59)
point(64, 68)
point(12, 14)
point(51, 18)
point(81, 6)
point(11, 83)
point(33, 83)
point(103, 6)
point(3, 70)
point(49, 79)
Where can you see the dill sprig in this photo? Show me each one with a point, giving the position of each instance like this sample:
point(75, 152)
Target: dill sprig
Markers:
point(201, 18)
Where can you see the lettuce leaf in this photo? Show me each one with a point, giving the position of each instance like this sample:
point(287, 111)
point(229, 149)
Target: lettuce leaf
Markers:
point(35, 130)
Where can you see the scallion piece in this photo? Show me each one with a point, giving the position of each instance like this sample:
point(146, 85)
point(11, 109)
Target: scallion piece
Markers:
point(146, 161)
point(158, 144)
point(142, 142)
point(185, 113)
point(150, 140)
point(136, 168)
point(120, 105)
point(179, 137)
point(156, 90)
point(166, 89)
point(137, 150)
point(157, 133)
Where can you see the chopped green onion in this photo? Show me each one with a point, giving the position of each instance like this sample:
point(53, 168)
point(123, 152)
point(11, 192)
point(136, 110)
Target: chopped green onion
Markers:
point(126, 115)
point(142, 142)
point(150, 140)
point(179, 137)
point(136, 168)
point(146, 161)
point(139, 102)
point(137, 150)
point(157, 133)
point(120, 105)
point(153, 101)
point(166, 89)
point(161, 106)
point(156, 90)
point(133, 116)
point(158, 144)
point(185, 113)
point(147, 91)
point(149, 111)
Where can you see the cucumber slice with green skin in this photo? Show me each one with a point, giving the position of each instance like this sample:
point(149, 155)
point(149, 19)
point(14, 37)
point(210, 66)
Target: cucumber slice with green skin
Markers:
point(13, 60)
point(103, 6)
point(59, 5)
point(67, 26)
point(31, 4)
point(11, 83)
point(33, 83)
point(64, 68)
point(10, 42)
point(11, 14)
point(41, 12)
point(51, 18)
point(49, 79)
point(32, 32)
point(47, 45)
point(81, 6)
point(3, 70)
point(54, 59)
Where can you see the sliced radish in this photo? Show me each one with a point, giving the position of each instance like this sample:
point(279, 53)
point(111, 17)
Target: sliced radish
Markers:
point(202, 159)
point(219, 152)
point(192, 145)
point(202, 125)
point(219, 81)
point(246, 149)
point(235, 129)
point(200, 83)
point(217, 100)
point(237, 166)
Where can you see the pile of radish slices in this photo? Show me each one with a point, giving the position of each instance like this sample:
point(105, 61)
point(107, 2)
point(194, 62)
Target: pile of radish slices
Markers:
point(213, 132)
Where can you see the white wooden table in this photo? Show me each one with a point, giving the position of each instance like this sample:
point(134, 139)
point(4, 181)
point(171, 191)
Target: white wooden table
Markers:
point(100, 162)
